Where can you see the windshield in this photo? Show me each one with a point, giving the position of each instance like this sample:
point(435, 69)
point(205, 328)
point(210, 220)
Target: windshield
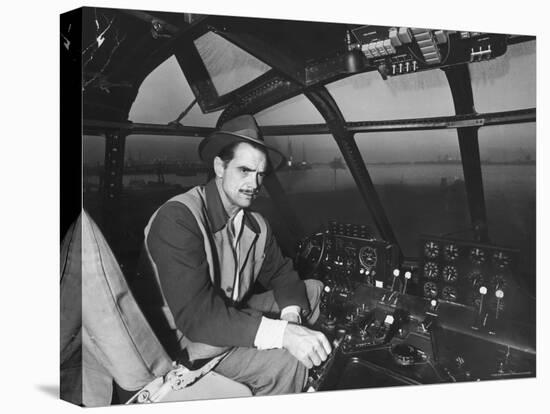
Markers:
point(318, 185)
point(418, 176)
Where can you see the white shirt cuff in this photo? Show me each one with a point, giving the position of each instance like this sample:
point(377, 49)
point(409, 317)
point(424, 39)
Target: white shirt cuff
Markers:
point(295, 309)
point(270, 333)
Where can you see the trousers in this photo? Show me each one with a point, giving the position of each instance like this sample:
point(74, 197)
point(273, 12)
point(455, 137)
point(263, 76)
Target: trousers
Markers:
point(272, 371)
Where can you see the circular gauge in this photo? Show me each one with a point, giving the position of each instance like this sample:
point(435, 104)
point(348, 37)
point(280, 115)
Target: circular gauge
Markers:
point(450, 252)
point(367, 256)
point(449, 293)
point(476, 279)
point(450, 273)
point(499, 281)
point(477, 255)
point(431, 249)
point(430, 289)
point(431, 271)
point(501, 259)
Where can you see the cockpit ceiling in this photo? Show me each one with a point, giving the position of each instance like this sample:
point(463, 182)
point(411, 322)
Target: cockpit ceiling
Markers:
point(233, 59)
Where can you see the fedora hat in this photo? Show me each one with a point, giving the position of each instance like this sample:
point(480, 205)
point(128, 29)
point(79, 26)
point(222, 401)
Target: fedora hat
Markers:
point(240, 129)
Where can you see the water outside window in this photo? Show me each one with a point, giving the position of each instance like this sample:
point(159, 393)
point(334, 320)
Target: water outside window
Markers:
point(508, 154)
point(319, 185)
point(419, 179)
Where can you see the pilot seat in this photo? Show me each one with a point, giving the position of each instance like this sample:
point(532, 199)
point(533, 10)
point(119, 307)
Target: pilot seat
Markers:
point(106, 338)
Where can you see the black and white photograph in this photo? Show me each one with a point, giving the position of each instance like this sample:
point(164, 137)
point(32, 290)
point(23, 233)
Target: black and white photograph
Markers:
point(269, 206)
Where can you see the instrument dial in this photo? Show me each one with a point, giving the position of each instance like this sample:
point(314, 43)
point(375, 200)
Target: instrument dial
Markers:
point(430, 289)
point(431, 249)
point(476, 279)
point(431, 270)
point(450, 273)
point(450, 252)
point(449, 293)
point(367, 256)
point(499, 281)
point(501, 259)
point(478, 256)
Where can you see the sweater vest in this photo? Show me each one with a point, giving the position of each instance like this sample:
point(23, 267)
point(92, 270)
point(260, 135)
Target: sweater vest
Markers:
point(221, 259)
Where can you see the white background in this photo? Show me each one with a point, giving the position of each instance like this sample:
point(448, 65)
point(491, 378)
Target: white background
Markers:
point(29, 233)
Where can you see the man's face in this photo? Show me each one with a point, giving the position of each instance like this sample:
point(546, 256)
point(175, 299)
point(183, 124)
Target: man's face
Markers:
point(242, 177)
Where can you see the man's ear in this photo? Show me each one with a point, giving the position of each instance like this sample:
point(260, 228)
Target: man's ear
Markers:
point(219, 167)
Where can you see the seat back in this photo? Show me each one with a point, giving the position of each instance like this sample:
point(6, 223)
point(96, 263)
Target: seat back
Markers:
point(117, 341)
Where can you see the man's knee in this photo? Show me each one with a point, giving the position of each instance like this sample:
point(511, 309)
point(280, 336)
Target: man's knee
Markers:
point(289, 374)
point(268, 372)
point(313, 291)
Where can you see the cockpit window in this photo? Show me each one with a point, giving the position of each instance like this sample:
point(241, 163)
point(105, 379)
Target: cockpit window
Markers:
point(164, 95)
point(508, 82)
point(367, 97)
point(508, 154)
point(419, 179)
point(229, 66)
point(318, 183)
point(162, 161)
point(296, 110)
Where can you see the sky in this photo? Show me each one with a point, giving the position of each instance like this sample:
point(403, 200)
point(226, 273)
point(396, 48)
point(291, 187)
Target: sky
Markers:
point(504, 83)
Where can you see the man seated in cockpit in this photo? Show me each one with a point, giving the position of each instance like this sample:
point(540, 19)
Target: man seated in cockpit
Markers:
point(208, 250)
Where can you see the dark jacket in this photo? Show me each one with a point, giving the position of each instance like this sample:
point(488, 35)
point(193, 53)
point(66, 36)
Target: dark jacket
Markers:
point(201, 310)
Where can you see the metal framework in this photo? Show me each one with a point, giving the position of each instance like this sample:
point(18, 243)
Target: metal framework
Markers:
point(95, 127)
point(114, 166)
point(300, 64)
point(461, 90)
point(325, 104)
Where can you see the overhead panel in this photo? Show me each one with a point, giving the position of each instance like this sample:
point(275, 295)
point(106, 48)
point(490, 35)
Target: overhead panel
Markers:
point(398, 51)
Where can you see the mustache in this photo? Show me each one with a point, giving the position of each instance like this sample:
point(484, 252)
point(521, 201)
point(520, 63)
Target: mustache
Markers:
point(250, 192)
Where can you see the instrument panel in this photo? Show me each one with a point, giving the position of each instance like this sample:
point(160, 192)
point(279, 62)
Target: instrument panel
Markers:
point(398, 51)
point(442, 318)
point(464, 272)
point(349, 253)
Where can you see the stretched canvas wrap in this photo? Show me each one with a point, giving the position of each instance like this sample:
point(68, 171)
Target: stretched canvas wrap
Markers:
point(395, 244)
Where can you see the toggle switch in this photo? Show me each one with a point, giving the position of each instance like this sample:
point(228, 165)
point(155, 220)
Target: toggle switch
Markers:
point(408, 276)
point(395, 276)
point(499, 293)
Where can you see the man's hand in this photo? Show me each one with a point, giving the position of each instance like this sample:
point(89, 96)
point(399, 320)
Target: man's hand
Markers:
point(291, 317)
point(307, 346)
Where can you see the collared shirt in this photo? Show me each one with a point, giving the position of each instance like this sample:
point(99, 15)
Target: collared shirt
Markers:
point(236, 228)
point(270, 332)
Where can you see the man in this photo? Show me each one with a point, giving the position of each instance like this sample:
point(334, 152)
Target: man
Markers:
point(208, 251)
